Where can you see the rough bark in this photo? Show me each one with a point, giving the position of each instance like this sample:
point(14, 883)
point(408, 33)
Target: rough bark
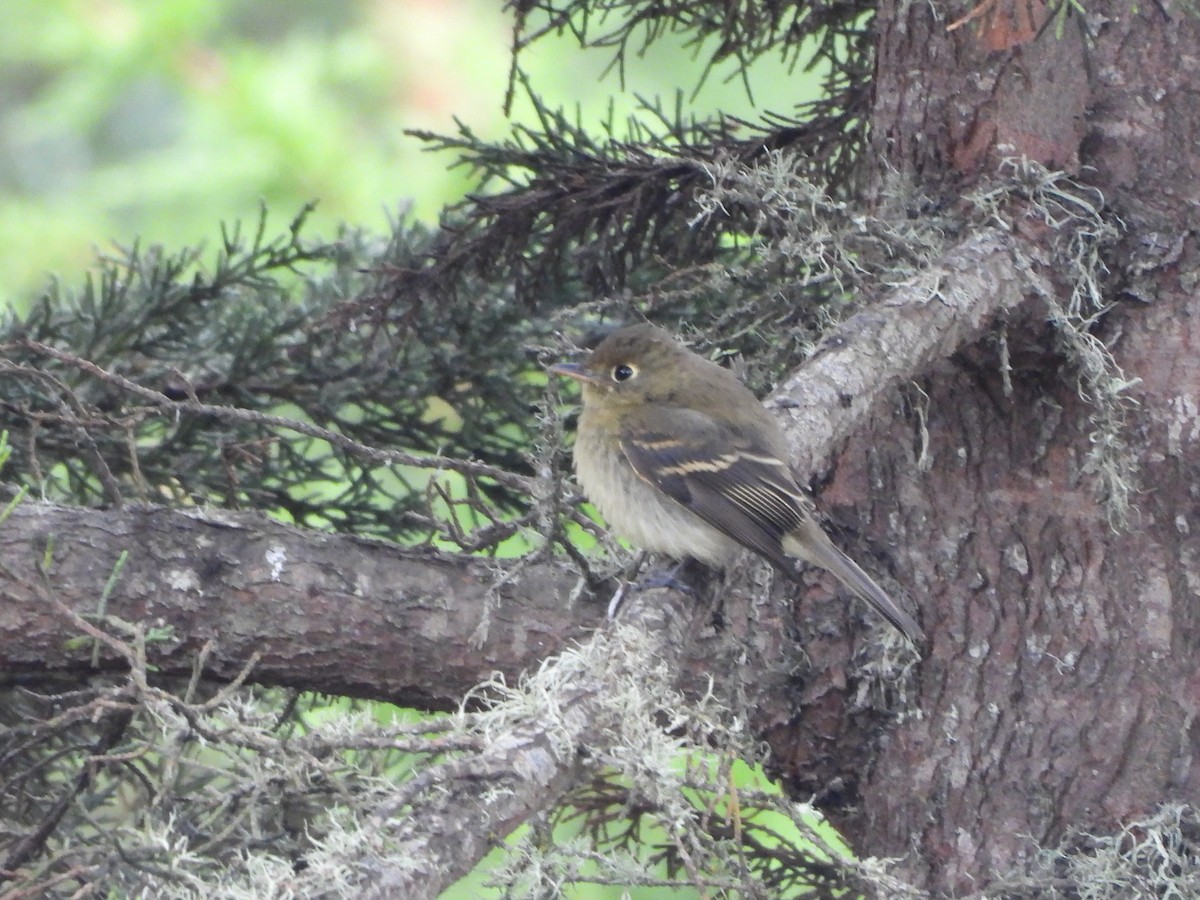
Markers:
point(1061, 688)
point(343, 615)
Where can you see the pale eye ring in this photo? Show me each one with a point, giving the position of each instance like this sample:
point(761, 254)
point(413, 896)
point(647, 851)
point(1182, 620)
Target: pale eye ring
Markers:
point(623, 372)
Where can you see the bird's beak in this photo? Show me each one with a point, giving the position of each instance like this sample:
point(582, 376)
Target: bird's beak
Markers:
point(576, 371)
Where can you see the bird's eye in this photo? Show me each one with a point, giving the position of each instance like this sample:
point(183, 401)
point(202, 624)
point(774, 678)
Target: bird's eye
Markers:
point(623, 372)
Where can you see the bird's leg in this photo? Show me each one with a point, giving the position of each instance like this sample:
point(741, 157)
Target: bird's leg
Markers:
point(683, 576)
point(623, 584)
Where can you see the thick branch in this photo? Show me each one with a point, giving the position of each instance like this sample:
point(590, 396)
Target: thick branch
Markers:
point(564, 720)
point(337, 614)
point(859, 364)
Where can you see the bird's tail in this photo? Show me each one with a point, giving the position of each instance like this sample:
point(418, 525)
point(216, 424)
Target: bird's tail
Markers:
point(812, 545)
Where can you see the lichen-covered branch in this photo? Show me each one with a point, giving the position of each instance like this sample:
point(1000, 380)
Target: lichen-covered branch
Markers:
point(926, 319)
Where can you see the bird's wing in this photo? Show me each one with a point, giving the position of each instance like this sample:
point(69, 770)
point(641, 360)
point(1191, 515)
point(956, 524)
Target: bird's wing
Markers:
point(742, 489)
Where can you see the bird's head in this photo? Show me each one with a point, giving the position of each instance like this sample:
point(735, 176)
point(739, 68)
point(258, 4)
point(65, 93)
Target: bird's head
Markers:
point(634, 365)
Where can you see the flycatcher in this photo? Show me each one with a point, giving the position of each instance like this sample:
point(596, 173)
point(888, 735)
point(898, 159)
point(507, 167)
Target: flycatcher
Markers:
point(681, 458)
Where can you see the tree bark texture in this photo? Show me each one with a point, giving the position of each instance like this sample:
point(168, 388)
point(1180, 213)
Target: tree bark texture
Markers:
point(1061, 685)
point(348, 616)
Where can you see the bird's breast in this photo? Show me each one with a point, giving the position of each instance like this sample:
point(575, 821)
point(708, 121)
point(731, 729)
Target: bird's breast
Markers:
point(639, 511)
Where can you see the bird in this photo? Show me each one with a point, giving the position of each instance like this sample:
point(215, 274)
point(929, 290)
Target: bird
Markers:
point(682, 459)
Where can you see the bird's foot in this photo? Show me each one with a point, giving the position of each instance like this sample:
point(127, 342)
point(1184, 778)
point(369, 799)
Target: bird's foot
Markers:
point(685, 576)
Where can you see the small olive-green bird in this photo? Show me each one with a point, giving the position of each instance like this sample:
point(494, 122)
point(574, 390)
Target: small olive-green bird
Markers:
point(681, 459)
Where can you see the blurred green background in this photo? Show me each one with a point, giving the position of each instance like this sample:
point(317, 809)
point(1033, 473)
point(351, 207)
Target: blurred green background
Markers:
point(160, 119)
point(157, 120)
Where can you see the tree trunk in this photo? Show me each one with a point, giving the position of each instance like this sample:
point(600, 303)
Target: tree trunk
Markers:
point(1060, 687)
